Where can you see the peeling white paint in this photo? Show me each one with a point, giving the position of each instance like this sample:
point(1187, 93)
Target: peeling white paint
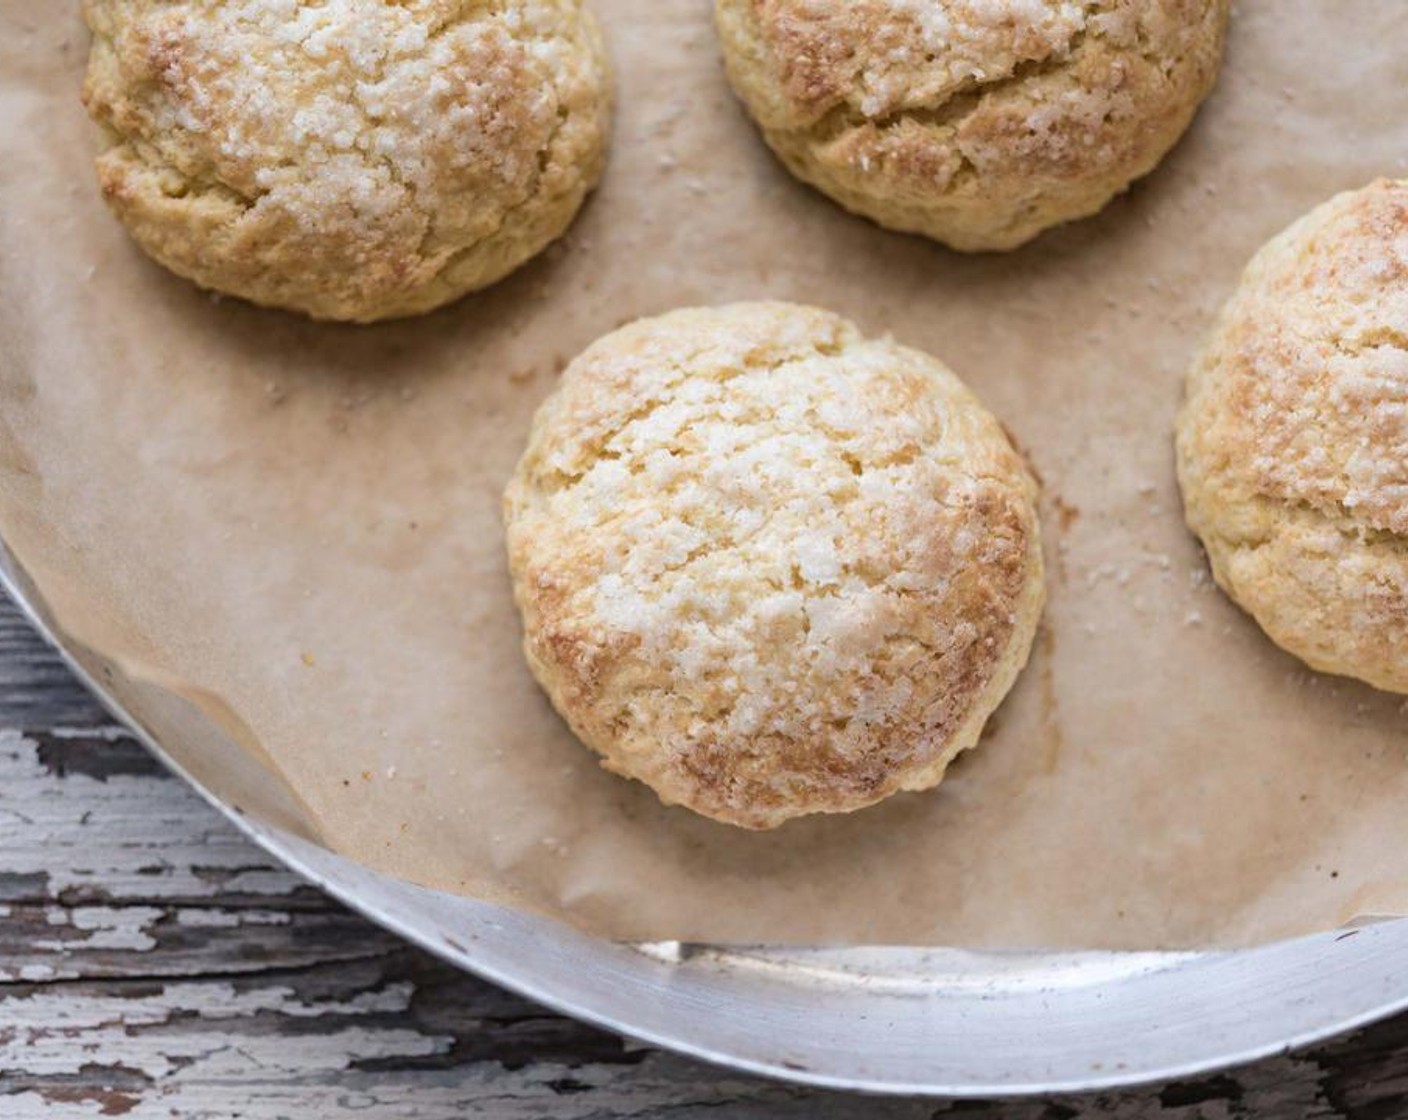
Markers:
point(107, 927)
point(110, 734)
point(54, 1032)
point(131, 836)
point(230, 919)
point(661, 1087)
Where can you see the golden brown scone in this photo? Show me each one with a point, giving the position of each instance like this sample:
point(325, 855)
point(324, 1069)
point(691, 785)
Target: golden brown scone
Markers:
point(347, 159)
point(979, 123)
point(769, 567)
point(1293, 442)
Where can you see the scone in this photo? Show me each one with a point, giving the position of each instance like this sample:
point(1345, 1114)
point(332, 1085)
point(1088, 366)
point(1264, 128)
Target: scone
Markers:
point(348, 159)
point(1293, 442)
point(770, 567)
point(979, 123)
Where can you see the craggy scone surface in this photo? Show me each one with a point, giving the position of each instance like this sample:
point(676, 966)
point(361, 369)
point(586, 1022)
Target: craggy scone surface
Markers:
point(770, 567)
point(976, 122)
point(350, 160)
point(1293, 443)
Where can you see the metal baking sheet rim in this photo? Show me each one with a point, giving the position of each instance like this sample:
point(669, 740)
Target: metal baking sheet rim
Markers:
point(927, 1022)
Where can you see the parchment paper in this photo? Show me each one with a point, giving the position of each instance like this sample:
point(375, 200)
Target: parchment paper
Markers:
point(295, 527)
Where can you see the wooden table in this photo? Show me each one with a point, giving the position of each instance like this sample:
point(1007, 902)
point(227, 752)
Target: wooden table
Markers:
point(155, 964)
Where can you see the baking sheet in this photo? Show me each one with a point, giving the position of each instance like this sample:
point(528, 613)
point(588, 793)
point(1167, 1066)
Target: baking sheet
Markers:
point(294, 527)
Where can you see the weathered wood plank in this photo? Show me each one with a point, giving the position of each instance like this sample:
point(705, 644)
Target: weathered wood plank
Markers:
point(36, 688)
point(154, 964)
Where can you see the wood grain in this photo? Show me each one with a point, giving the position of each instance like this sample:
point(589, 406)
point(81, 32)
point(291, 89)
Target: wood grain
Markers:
point(154, 964)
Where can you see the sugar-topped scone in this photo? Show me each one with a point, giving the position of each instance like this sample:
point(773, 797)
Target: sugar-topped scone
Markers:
point(1293, 442)
point(346, 159)
point(979, 123)
point(770, 567)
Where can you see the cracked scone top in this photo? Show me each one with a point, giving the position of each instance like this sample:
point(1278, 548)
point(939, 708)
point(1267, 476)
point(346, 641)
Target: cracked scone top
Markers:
point(770, 567)
point(979, 123)
point(349, 159)
point(1293, 441)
